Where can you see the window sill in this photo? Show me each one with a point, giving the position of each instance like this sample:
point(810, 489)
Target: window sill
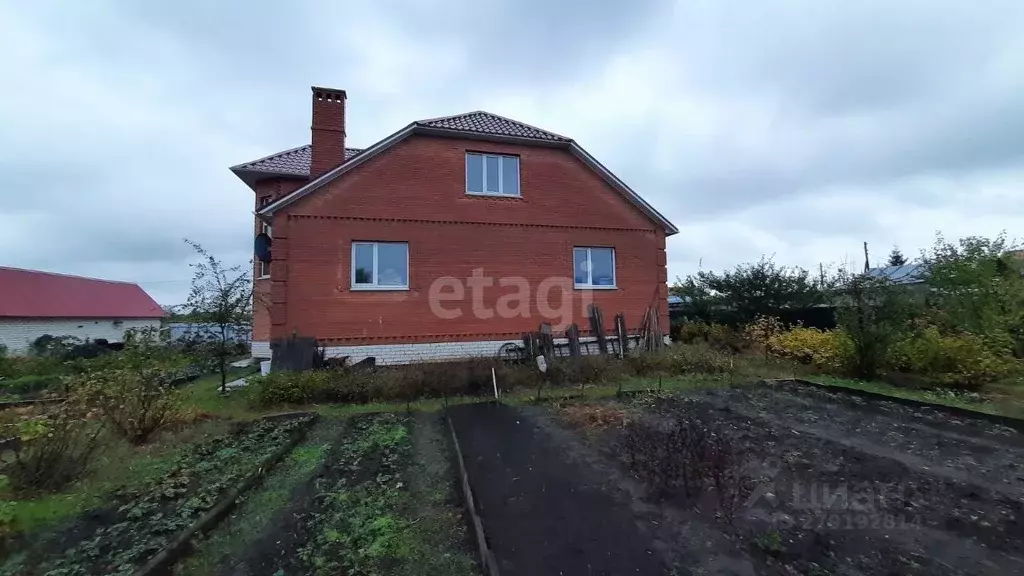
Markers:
point(380, 288)
point(494, 195)
point(266, 277)
point(588, 287)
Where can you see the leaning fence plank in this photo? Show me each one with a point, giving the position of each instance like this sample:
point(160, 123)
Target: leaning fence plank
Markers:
point(597, 325)
point(573, 334)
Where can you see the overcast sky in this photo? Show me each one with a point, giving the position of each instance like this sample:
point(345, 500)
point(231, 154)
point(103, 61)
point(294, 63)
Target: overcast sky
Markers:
point(798, 129)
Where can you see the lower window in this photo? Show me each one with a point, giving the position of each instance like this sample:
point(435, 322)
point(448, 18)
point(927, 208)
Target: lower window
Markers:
point(380, 265)
point(593, 267)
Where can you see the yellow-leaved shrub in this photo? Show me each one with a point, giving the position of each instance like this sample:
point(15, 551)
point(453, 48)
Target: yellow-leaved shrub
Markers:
point(828, 350)
point(961, 360)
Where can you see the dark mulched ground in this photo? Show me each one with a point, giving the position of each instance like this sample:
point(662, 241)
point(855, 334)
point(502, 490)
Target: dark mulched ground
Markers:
point(840, 485)
point(544, 513)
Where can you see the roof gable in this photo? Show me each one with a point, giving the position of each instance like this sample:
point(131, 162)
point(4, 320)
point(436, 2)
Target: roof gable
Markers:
point(480, 125)
point(481, 122)
point(35, 294)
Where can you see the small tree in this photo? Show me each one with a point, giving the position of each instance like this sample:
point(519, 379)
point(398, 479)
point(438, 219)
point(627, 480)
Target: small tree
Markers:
point(220, 305)
point(977, 286)
point(752, 290)
point(896, 258)
point(875, 313)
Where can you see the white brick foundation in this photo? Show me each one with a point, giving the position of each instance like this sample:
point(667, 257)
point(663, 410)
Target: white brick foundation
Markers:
point(404, 353)
point(413, 353)
point(260, 350)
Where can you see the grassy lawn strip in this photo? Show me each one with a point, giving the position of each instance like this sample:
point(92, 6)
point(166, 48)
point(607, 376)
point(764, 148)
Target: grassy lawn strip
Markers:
point(258, 509)
point(138, 521)
point(204, 395)
point(1009, 401)
point(371, 522)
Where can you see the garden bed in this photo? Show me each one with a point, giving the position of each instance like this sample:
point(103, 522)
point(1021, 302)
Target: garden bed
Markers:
point(139, 521)
point(826, 483)
point(381, 500)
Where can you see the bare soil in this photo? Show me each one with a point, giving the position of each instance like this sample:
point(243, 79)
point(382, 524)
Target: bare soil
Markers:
point(542, 513)
point(838, 485)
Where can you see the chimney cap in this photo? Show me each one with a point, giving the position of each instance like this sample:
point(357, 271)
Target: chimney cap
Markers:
point(328, 93)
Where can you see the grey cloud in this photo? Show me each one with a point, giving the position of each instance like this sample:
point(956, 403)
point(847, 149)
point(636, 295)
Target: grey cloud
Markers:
point(822, 119)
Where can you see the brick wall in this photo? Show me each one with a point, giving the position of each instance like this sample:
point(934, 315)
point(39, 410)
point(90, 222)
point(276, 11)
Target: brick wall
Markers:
point(415, 193)
point(18, 333)
point(267, 191)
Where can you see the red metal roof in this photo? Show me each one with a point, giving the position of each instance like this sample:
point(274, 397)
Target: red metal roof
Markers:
point(34, 294)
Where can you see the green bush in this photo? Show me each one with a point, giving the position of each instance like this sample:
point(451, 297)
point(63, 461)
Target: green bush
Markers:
point(134, 402)
point(287, 387)
point(828, 350)
point(716, 335)
point(25, 385)
point(18, 366)
point(699, 359)
point(957, 360)
point(56, 449)
point(642, 363)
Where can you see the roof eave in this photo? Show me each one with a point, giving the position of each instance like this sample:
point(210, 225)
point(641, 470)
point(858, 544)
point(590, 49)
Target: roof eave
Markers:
point(251, 177)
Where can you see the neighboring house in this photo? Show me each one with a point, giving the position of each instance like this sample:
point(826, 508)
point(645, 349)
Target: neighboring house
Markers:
point(421, 246)
point(34, 303)
point(908, 274)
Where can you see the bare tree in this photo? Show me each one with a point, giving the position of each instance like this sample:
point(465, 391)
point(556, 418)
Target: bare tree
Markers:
point(220, 306)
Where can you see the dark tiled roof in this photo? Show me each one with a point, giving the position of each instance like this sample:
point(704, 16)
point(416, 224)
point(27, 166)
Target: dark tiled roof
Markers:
point(295, 161)
point(482, 122)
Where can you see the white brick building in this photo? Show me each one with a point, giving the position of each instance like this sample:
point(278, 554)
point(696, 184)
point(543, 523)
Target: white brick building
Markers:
point(34, 303)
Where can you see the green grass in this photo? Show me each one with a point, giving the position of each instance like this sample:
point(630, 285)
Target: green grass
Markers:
point(119, 464)
point(1006, 401)
point(204, 395)
point(258, 509)
point(395, 522)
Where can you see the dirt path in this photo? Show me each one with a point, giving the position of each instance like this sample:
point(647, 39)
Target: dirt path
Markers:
point(542, 513)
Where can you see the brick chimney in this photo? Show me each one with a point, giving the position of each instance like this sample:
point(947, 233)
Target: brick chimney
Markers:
point(328, 130)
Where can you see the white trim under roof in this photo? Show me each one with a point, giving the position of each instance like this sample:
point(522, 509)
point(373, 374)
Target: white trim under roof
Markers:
point(415, 127)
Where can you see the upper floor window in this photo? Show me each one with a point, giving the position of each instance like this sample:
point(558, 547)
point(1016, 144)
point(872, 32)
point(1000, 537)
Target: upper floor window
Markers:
point(380, 266)
point(263, 201)
point(593, 267)
point(492, 174)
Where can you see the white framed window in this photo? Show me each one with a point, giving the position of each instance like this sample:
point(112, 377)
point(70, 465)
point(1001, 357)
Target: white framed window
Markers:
point(380, 265)
point(593, 267)
point(263, 268)
point(492, 174)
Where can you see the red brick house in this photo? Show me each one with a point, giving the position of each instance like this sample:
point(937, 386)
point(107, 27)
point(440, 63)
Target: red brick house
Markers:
point(445, 239)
